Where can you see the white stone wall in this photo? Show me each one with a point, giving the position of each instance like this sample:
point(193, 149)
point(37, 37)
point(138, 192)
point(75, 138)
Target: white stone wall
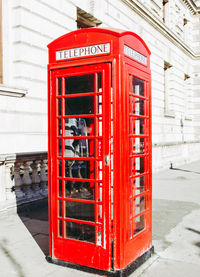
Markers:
point(28, 26)
point(196, 76)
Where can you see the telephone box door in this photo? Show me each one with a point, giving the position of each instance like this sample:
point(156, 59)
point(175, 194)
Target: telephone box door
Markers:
point(139, 226)
point(79, 145)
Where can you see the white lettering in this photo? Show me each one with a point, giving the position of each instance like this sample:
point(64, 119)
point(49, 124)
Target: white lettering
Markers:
point(92, 50)
point(135, 55)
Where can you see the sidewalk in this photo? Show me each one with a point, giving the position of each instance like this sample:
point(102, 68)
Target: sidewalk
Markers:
point(176, 233)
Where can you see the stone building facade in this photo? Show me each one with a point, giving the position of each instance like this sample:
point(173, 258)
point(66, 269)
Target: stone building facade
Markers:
point(171, 29)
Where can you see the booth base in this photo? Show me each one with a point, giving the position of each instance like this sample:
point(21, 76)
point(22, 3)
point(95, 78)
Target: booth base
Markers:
point(114, 273)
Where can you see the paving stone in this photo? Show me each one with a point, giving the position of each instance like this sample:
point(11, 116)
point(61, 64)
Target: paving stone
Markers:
point(171, 268)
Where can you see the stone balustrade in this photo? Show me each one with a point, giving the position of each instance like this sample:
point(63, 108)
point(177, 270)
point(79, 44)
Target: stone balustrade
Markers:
point(23, 178)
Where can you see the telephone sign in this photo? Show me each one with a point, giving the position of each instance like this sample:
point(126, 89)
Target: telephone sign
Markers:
point(83, 51)
point(100, 151)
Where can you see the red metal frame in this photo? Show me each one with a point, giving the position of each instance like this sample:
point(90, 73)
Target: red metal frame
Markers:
point(120, 247)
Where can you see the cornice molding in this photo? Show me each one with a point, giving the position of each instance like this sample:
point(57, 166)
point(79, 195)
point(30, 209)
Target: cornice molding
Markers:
point(192, 6)
point(145, 13)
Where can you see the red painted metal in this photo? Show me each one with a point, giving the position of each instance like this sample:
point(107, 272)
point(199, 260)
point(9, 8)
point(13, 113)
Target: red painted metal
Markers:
point(122, 197)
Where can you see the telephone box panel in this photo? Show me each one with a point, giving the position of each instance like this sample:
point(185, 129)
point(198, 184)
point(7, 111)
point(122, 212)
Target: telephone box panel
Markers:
point(100, 187)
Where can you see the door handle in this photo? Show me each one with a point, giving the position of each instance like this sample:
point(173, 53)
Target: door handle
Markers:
point(107, 160)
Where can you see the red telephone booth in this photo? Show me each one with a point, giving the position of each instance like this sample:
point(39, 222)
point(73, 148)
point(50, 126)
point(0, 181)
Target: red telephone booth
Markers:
point(100, 157)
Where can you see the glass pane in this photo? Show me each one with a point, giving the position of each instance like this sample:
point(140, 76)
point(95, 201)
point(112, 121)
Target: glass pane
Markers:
point(100, 212)
point(138, 86)
point(139, 185)
point(79, 190)
point(79, 169)
point(99, 104)
point(81, 211)
point(100, 193)
point(137, 146)
point(138, 107)
point(99, 235)
point(79, 148)
point(139, 126)
point(80, 231)
point(99, 82)
point(139, 205)
point(59, 106)
point(60, 147)
point(59, 122)
point(100, 170)
point(100, 127)
point(60, 187)
point(60, 228)
point(79, 105)
point(60, 208)
point(60, 168)
point(59, 85)
point(138, 224)
point(137, 166)
point(79, 84)
point(79, 127)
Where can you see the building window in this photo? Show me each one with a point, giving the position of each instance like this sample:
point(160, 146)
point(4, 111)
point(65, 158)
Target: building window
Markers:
point(86, 20)
point(165, 8)
point(168, 89)
point(187, 96)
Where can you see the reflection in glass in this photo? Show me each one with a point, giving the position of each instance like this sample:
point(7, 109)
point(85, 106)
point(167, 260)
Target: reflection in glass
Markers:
point(100, 193)
point(60, 208)
point(138, 224)
point(100, 212)
point(81, 211)
point(79, 190)
point(100, 82)
point(79, 105)
point(138, 146)
point(79, 84)
point(99, 104)
point(60, 228)
point(100, 126)
point(138, 107)
point(59, 106)
point(138, 205)
point(137, 166)
point(79, 127)
point(60, 147)
point(80, 231)
point(100, 170)
point(79, 169)
point(60, 187)
point(59, 127)
point(79, 148)
point(99, 235)
point(138, 86)
point(59, 85)
point(139, 184)
point(139, 126)
point(60, 167)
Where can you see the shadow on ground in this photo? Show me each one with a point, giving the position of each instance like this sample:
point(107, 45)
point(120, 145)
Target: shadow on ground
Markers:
point(185, 170)
point(9, 255)
point(35, 218)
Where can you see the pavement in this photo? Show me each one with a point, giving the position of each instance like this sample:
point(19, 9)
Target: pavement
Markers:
point(176, 233)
